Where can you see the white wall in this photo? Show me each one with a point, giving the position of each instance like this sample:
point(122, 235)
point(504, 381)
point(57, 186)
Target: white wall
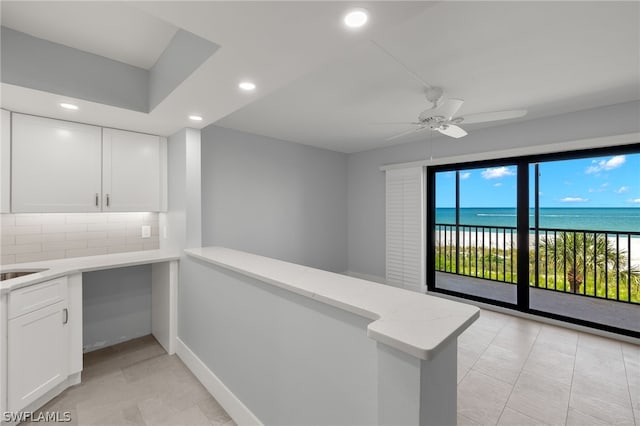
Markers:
point(274, 198)
point(366, 182)
point(183, 217)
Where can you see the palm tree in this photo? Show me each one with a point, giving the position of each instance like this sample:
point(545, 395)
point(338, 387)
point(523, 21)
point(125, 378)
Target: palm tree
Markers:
point(582, 254)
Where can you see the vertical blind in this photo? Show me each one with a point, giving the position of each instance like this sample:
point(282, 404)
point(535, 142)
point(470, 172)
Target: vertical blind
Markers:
point(405, 228)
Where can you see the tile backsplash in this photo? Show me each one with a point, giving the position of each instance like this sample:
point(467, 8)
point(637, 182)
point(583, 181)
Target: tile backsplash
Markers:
point(34, 237)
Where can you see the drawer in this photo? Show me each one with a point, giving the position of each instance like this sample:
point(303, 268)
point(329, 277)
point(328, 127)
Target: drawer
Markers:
point(37, 296)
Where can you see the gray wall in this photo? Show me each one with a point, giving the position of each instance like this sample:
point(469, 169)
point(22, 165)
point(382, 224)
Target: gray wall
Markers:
point(116, 306)
point(42, 65)
point(290, 359)
point(274, 198)
point(366, 182)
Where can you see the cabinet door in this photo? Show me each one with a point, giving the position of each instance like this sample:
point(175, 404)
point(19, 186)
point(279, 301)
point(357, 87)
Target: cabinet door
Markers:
point(38, 352)
point(56, 166)
point(131, 171)
point(5, 162)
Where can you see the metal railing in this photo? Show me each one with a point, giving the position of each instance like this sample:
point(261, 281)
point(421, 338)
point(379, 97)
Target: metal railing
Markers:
point(601, 264)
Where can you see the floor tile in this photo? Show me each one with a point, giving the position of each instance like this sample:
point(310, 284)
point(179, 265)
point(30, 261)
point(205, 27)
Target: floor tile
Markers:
point(137, 383)
point(214, 412)
point(578, 418)
point(482, 398)
point(501, 363)
point(466, 421)
point(191, 416)
point(631, 357)
point(512, 417)
point(558, 339)
point(541, 398)
point(608, 412)
point(550, 363)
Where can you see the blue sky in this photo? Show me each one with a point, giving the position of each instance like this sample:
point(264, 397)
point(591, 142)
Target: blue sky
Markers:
point(612, 181)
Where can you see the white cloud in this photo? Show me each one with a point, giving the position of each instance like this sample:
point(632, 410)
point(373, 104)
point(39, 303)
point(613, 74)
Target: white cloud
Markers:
point(622, 189)
point(636, 201)
point(610, 164)
point(497, 173)
point(574, 200)
point(497, 184)
point(465, 175)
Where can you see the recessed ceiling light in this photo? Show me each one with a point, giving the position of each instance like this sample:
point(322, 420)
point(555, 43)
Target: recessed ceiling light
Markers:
point(195, 118)
point(69, 106)
point(356, 18)
point(247, 85)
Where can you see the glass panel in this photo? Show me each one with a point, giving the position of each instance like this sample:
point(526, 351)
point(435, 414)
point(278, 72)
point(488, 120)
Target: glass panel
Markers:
point(587, 265)
point(475, 236)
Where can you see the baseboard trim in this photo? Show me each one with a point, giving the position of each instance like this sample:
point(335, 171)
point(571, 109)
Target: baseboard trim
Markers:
point(234, 407)
point(374, 278)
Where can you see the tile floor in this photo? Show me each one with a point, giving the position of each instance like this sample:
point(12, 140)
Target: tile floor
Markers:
point(511, 371)
point(137, 383)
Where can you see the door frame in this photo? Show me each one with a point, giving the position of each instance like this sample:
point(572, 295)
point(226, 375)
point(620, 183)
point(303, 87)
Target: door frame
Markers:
point(523, 185)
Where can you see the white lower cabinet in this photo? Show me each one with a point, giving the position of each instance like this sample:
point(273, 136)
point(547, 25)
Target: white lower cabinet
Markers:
point(38, 348)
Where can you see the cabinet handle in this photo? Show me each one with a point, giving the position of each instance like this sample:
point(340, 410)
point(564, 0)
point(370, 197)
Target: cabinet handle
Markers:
point(108, 200)
point(65, 315)
point(97, 199)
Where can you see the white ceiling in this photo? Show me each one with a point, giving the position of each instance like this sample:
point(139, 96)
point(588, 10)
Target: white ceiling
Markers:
point(322, 85)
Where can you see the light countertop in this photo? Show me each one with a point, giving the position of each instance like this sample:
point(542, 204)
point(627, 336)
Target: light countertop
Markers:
point(50, 269)
point(414, 323)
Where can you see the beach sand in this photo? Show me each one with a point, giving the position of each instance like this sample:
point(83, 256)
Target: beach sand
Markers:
point(509, 239)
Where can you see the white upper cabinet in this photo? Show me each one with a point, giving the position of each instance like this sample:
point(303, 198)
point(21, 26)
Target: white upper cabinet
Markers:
point(56, 166)
point(5, 163)
point(131, 169)
point(59, 166)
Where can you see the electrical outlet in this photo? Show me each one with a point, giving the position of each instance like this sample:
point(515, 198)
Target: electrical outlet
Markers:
point(146, 231)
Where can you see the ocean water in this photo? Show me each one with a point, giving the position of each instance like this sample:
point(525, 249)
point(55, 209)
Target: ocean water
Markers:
point(596, 219)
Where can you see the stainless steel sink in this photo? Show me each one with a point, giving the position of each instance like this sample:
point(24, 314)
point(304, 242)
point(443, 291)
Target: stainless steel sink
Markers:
point(15, 274)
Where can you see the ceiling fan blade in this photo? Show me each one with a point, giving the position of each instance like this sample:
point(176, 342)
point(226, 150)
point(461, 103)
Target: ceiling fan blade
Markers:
point(399, 135)
point(452, 130)
point(493, 116)
point(449, 108)
point(406, 68)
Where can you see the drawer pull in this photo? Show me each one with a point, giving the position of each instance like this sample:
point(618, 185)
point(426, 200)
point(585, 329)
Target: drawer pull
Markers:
point(65, 315)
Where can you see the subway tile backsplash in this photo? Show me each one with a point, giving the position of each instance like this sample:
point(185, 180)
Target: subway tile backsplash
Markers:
point(47, 236)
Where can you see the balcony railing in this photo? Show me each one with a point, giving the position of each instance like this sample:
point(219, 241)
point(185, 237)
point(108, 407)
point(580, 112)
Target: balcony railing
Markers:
point(601, 264)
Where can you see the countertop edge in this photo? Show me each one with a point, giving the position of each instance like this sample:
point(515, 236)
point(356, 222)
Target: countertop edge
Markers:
point(56, 268)
point(400, 318)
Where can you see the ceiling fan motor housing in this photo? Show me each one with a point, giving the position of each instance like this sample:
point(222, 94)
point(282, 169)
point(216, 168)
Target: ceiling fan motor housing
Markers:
point(434, 95)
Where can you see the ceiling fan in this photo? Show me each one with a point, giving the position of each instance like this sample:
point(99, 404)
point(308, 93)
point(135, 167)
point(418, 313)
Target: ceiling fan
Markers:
point(441, 117)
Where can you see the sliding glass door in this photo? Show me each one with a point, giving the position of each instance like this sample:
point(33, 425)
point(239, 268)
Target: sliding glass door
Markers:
point(475, 232)
point(556, 235)
point(586, 239)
